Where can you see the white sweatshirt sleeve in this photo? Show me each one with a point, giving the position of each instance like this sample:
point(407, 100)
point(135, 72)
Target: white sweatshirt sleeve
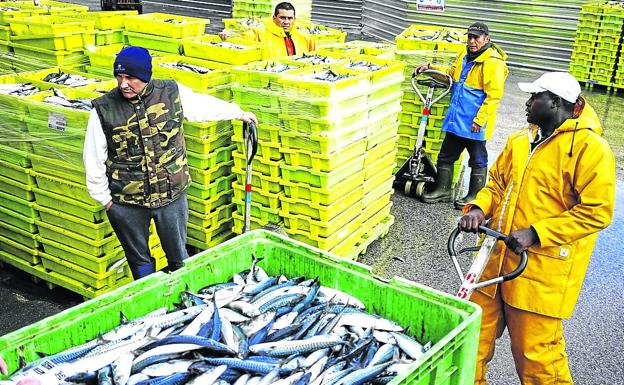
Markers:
point(200, 107)
point(94, 156)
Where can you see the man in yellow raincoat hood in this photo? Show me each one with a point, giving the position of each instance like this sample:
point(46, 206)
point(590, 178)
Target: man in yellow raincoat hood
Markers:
point(280, 35)
point(552, 189)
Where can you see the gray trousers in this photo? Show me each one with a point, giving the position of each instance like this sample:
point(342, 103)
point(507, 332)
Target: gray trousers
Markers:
point(131, 224)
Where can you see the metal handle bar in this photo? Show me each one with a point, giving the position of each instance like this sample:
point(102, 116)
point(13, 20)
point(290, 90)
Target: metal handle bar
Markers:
point(435, 83)
point(524, 256)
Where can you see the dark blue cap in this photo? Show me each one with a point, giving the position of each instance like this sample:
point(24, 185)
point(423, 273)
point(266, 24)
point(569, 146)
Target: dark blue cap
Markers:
point(134, 61)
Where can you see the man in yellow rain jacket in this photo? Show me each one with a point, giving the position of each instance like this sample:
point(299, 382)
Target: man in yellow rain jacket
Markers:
point(552, 189)
point(281, 37)
point(479, 75)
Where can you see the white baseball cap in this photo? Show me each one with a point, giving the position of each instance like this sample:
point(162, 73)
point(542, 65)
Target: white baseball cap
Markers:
point(559, 83)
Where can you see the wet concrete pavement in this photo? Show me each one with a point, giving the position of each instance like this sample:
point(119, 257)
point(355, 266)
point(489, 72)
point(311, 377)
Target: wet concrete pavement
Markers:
point(415, 248)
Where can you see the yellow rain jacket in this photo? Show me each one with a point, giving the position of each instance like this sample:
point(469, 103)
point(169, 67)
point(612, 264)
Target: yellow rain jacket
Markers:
point(477, 90)
point(565, 190)
point(273, 37)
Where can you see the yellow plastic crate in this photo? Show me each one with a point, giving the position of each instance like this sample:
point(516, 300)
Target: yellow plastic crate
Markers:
point(219, 73)
point(385, 70)
point(261, 197)
point(31, 58)
point(324, 143)
point(264, 214)
point(266, 150)
point(106, 20)
point(212, 220)
point(207, 144)
point(206, 177)
point(324, 162)
point(259, 181)
point(264, 167)
point(302, 223)
point(58, 119)
point(104, 56)
point(167, 25)
point(322, 179)
point(319, 126)
point(263, 74)
point(380, 150)
point(302, 83)
point(319, 196)
point(204, 237)
point(60, 41)
point(154, 42)
point(206, 206)
point(326, 243)
point(206, 129)
point(322, 212)
point(50, 25)
point(233, 51)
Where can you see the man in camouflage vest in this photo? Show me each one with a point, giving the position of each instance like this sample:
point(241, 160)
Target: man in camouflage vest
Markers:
point(135, 156)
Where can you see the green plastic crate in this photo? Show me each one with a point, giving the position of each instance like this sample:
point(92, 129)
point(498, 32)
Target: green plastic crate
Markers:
point(266, 133)
point(320, 212)
point(16, 189)
point(205, 145)
point(64, 187)
point(206, 206)
point(209, 47)
point(264, 167)
point(301, 83)
point(24, 238)
point(322, 179)
point(108, 37)
point(219, 73)
point(264, 198)
point(324, 144)
point(255, 98)
point(56, 162)
point(85, 276)
point(60, 41)
point(380, 150)
point(212, 220)
point(320, 196)
point(262, 213)
point(261, 74)
point(92, 213)
point(108, 20)
point(14, 156)
point(68, 121)
point(20, 251)
point(95, 231)
point(26, 223)
point(49, 25)
point(266, 150)
point(18, 205)
point(207, 129)
point(259, 181)
point(155, 24)
point(210, 236)
point(207, 177)
point(382, 166)
point(16, 172)
point(220, 185)
point(452, 324)
point(324, 162)
point(319, 228)
point(205, 161)
point(333, 240)
point(165, 44)
point(78, 241)
point(98, 265)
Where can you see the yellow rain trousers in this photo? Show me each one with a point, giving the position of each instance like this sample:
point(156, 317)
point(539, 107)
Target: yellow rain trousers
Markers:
point(273, 37)
point(565, 190)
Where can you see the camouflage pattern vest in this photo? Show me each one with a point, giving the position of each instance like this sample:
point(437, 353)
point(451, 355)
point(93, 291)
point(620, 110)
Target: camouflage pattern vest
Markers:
point(146, 163)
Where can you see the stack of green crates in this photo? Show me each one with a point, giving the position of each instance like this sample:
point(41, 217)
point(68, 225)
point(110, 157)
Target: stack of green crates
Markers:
point(586, 39)
point(52, 39)
point(162, 31)
point(324, 142)
point(265, 8)
point(209, 152)
point(109, 26)
point(607, 45)
point(258, 89)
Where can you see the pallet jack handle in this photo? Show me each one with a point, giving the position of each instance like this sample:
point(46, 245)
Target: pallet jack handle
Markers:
point(250, 136)
point(432, 82)
point(470, 280)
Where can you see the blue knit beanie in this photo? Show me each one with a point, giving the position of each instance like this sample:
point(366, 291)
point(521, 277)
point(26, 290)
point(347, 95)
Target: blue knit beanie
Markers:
point(134, 61)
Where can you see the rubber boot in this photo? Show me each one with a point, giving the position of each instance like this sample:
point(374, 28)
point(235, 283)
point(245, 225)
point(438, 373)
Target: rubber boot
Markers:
point(477, 182)
point(442, 189)
point(141, 271)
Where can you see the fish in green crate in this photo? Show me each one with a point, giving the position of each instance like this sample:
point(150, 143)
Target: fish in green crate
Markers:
point(326, 76)
point(59, 99)
point(315, 59)
point(254, 329)
point(363, 65)
point(18, 89)
point(70, 80)
point(187, 67)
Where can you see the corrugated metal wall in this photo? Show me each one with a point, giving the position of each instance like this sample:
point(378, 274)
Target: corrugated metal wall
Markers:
point(346, 14)
point(535, 33)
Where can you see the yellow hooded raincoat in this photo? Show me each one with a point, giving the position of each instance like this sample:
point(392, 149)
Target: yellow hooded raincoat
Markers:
point(273, 36)
point(565, 189)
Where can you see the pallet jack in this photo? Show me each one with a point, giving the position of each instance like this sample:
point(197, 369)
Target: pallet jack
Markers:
point(470, 281)
point(418, 172)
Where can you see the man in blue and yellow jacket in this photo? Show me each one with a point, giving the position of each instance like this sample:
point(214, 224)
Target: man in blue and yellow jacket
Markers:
point(479, 76)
